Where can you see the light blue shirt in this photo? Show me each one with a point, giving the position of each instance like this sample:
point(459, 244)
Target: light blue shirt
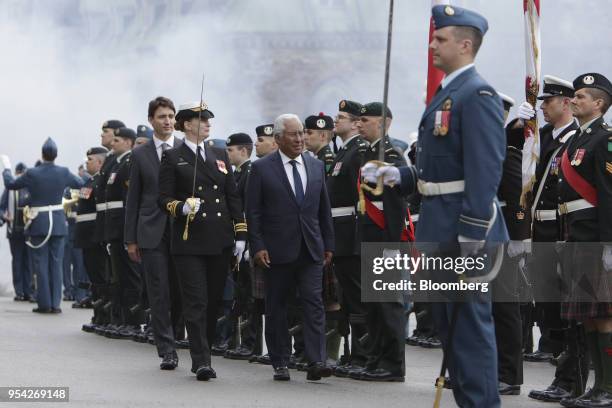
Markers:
point(449, 78)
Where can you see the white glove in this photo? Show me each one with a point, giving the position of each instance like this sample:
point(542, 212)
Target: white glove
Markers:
point(606, 258)
point(469, 246)
point(192, 204)
point(391, 175)
point(525, 111)
point(6, 162)
point(527, 245)
point(246, 257)
point(368, 173)
point(516, 248)
point(239, 250)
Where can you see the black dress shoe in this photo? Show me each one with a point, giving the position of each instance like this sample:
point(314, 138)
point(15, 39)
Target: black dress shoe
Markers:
point(570, 402)
point(89, 327)
point(219, 349)
point(181, 344)
point(344, 371)
point(598, 399)
point(553, 393)
point(169, 361)
point(318, 370)
point(41, 310)
point(19, 298)
point(68, 299)
point(204, 373)
point(380, 374)
point(239, 353)
point(414, 339)
point(56, 310)
point(507, 389)
point(538, 357)
point(431, 342)
point(281, 374)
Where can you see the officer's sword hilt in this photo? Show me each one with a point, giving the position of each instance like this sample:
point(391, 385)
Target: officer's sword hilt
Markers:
point(378, 190)
point(191, 200)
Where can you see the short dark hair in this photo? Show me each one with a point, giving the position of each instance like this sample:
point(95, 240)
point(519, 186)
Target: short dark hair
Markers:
point(160, 102)
point(469, 33)
point(597, 93)
point(248, 147)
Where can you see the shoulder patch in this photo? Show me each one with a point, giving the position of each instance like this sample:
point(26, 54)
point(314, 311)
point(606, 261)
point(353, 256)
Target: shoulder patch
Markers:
point(485, 92)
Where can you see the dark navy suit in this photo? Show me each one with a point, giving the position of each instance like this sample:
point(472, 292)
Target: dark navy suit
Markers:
point(472, 149)
point(296, 237)
point(46, 184)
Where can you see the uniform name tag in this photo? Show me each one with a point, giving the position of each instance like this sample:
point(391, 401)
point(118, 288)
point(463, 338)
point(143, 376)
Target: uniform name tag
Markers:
point(221, 166)
point(111, 178)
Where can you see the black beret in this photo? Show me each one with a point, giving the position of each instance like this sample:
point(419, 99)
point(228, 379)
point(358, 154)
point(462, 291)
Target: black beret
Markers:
point(113, 124)
point(374, 109)
point(264, 130)
point(352, 107)
point(20, 167)
point(239, 139)
point(192, 110)
point(593, 80)
point(320, 122)
point(97, 150)
point(125, 133)
point(144, 131)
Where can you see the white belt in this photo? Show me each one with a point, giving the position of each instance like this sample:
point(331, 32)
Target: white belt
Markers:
point(71, 216)
point(55, 207)
point(101, 207)
point(414, 217)
point(574, 205)
point(434, 189)
point(377, 204)
point(546, 215)
point(502, 204)
point(111, 205)
point(86, 217)
point(342, 211)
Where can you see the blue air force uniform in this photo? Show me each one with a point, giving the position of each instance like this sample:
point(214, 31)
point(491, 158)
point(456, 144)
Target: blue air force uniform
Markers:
point(47, 229)
point(460, 153)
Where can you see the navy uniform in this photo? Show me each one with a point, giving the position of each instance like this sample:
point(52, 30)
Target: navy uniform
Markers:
point(202, 263)
point(12, 204)
point(126, 276)
point(342, 189)
point(94, 255)
point(460, 154)
point(585, 207)
point(506, 309)
point(46, 226)
point(384, 221)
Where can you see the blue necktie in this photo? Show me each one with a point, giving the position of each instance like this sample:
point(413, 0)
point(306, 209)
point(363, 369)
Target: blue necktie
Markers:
point(297, 183)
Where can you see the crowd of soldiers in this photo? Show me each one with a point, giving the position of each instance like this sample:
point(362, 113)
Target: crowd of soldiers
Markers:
point(164, 238)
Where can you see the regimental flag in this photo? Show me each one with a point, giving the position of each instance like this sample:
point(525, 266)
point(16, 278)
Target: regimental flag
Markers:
point(531, 148)
point(434, 75)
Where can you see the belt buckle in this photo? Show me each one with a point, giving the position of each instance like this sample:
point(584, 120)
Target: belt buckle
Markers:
point(563, 208)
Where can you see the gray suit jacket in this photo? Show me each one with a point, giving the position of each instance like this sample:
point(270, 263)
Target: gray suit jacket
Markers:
point(145, 223)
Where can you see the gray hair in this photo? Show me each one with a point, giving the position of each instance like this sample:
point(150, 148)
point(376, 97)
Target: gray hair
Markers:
point(279, 123)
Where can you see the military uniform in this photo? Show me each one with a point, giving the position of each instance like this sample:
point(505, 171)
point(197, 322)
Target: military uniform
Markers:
point(202, 263)
point(326, 155)
point(342, 189)
point(12, 203)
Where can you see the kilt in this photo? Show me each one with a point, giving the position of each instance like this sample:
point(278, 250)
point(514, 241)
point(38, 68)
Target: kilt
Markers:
point(590, 286)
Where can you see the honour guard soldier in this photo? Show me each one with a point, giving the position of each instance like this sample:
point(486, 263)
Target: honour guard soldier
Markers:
point(341, 187)
point(11, 209)
point(148, 232)
point(319, 131)
point(460, 154)
point(239, 150)
point(506, 309)
point(586, 219)
point(265, 140)
point(46, 225)
point(126, 277)
point(107, 136)
point(383, 221)
point(94, 255)
point(144, 134)
point(198, 190)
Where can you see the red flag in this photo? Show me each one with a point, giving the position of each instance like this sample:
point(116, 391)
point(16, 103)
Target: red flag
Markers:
point(434, 75)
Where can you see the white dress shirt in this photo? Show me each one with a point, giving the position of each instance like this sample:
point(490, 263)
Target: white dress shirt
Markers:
point(450, 77)
point(194, 148)
point(557, 132)
point(159, 143)
point(289, 170)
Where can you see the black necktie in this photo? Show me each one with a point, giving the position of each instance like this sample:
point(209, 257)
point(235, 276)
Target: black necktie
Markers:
point(297, 183)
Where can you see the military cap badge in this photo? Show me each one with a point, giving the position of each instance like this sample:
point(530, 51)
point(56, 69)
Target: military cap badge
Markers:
point(321, 123)
point(588, 80)
point(364, 109)
point(342, 104)
point(449, 11)
point(268, 130)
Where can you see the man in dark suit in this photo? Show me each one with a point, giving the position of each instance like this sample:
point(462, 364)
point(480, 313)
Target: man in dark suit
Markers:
point(291, 235)
point(147, 230)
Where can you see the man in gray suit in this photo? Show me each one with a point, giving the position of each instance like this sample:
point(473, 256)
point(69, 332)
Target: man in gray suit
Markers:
point(147, 231)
